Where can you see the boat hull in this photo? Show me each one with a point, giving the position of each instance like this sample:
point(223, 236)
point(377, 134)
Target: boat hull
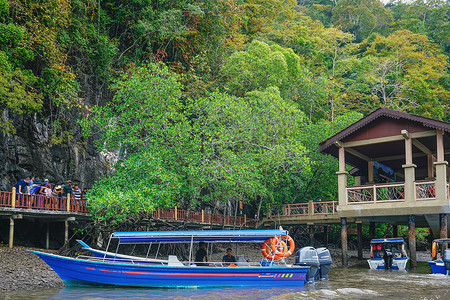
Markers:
point(75, 272)
point(438, 267)
point(397, 264)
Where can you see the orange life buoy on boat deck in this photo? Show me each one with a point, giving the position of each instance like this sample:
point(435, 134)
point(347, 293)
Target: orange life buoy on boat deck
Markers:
point(266, 249)
point(279, 247)
point(434, 249)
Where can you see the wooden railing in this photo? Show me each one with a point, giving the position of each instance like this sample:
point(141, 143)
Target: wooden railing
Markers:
point(309, 208)
point(390, 192)
point(201, 217)
point(41, 202)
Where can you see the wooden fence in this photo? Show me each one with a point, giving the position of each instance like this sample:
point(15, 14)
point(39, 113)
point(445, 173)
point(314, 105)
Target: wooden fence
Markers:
point(41, 202)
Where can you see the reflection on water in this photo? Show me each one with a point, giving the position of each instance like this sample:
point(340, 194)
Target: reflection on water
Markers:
point(351, 283)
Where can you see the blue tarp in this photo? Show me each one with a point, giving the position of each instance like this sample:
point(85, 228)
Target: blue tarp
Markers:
point(197, 236)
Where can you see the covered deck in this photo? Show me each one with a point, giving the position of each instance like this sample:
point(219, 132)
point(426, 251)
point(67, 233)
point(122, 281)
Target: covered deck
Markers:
point(400, 170)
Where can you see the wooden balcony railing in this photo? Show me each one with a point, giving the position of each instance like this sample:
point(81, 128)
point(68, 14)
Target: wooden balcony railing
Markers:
point(42, 202)
point(305, 209)
point(390, 192)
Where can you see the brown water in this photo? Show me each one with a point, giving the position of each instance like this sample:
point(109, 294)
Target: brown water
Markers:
point(350, 283)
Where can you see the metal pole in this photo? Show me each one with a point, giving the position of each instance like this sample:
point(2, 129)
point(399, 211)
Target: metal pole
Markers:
point(190, 249)
point(344, 241)
point(412, 241)
point(148, 251)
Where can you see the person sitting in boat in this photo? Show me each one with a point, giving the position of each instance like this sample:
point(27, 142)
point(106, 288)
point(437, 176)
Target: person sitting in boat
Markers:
point(201, 255)
point(228, 259)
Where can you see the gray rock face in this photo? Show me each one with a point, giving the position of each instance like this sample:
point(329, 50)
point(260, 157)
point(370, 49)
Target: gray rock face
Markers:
point(31, 151)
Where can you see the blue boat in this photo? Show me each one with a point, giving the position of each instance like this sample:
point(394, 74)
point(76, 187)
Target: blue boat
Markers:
point(388, 253)
point(120, 270)
point(440, 253)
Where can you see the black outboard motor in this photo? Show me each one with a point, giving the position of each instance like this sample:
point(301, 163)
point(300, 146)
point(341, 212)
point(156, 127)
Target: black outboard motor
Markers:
point(325, 262)
point(446, 259)
point(307, 256)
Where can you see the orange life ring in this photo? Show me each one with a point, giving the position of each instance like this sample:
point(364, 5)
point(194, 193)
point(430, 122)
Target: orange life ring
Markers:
point(267, 251)
point(434, 249)
point(280, 248)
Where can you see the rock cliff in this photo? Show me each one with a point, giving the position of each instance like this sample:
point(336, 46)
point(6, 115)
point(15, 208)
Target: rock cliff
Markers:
point(31, 151)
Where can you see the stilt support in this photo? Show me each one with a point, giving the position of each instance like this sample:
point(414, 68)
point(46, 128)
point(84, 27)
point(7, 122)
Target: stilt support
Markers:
point(325, 236)
point(47, 236)
point(359, 232)
point(66, 232)
point(344, 242)
point(11, 232)
point(412, 241)
point(311, 235)
point(394, 231)
point(371, 230)
point(443, 226)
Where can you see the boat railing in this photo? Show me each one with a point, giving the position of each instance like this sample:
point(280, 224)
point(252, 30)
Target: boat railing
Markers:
point(145, 261)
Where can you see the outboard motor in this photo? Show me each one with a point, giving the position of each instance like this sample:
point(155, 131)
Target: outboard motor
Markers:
point(325, 262)
point(307, 256)
point(446, 259)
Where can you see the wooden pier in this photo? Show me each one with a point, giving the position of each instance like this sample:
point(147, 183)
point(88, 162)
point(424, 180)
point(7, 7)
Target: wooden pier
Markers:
point(51, 210)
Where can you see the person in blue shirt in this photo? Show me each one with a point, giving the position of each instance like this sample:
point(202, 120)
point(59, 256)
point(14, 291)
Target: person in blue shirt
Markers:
point(22, 186)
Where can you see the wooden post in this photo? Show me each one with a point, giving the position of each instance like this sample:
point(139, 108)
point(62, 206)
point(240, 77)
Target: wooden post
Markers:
point(203, 216)
point(66, 232)
point(159, 213)
point(68, 202)
point(370, 171)
point(47, 236)
point(443, 226)
point(13, 199)
point(359, 232)
point(245, 219)
point(325, 236)
point(371, 230)
point(412, 241)
point(310, 208)
point(344, 241)
point(176, 212)
point(11, 232)
point(311, 235)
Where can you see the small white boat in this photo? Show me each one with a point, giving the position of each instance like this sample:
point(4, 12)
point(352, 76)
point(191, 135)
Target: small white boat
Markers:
point(388, 253)
point(440, 253)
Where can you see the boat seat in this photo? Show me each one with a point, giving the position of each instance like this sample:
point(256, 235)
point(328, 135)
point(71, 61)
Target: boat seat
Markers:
point(173, 261)
point(241, 262)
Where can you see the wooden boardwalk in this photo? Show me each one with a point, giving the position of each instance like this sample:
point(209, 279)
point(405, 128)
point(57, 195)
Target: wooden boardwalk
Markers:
point(57, 208)
point(311, 213)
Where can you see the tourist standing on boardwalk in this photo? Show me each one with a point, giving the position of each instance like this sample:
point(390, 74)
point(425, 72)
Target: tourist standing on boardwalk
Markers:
point(22, 185)
point(67, 189)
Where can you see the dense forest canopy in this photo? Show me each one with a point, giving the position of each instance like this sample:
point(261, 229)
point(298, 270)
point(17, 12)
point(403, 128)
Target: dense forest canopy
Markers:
point(212, 102)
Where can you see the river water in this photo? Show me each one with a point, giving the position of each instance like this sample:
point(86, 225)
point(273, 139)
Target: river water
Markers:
point(345, 283)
